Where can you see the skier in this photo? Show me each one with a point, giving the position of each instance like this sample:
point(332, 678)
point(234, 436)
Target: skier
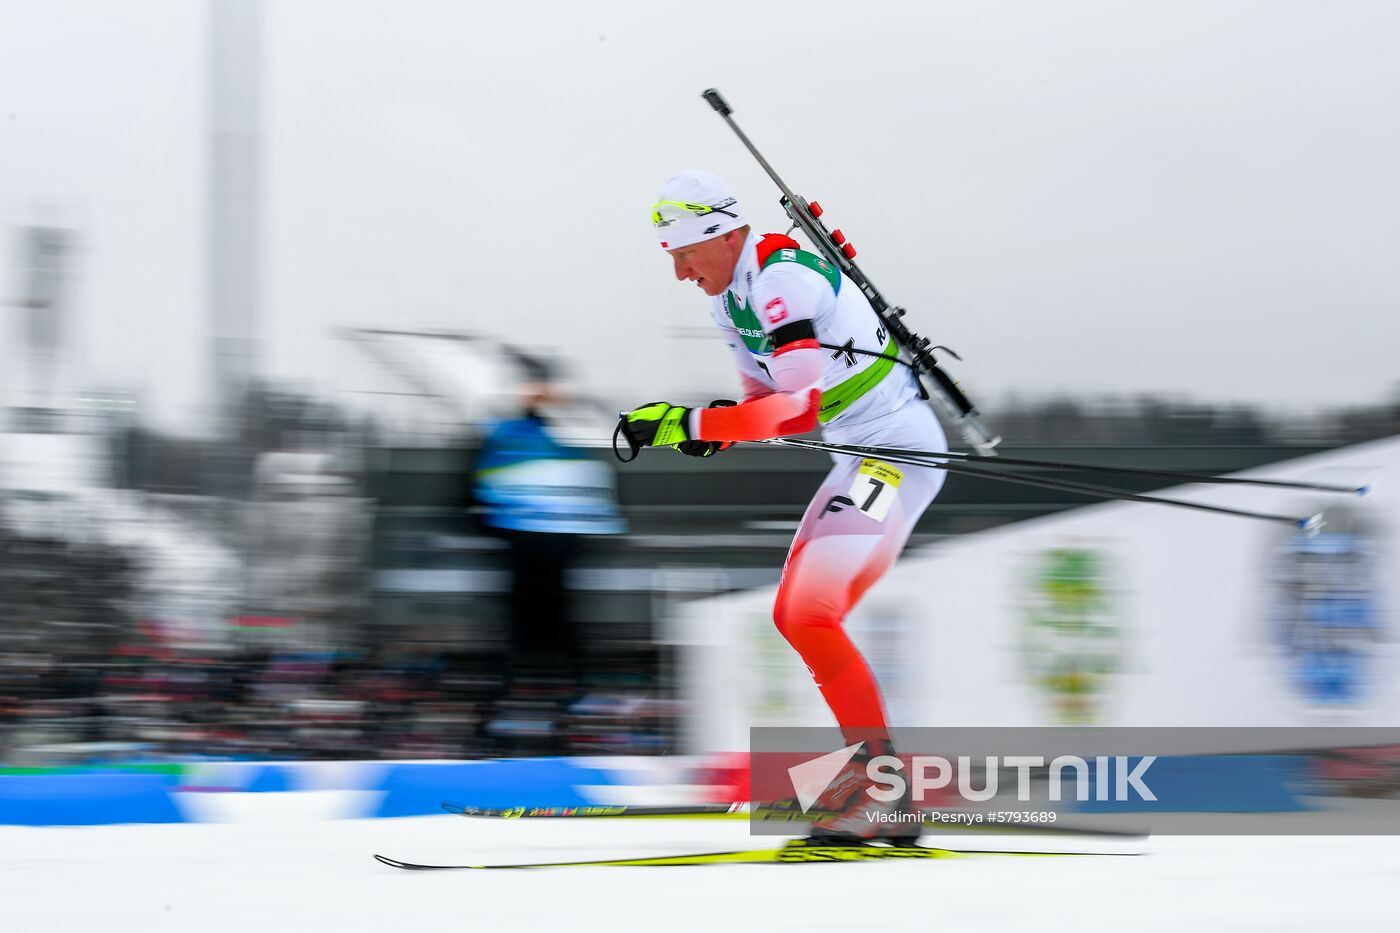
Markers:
point(541, 497)
point(810, 350)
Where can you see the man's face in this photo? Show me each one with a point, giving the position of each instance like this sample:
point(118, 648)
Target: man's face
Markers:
point(709, 263)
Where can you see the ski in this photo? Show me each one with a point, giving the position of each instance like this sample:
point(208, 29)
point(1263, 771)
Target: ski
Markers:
point(795, 852)
point(738, 811)
point(774, 812)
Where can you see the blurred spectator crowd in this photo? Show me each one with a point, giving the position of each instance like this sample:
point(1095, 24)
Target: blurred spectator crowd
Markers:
point(67, 708)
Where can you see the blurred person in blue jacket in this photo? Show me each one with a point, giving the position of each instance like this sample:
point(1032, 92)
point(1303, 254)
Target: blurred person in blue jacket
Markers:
point(541, 496)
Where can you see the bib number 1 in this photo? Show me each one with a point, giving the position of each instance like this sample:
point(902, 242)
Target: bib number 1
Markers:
point(875, 488)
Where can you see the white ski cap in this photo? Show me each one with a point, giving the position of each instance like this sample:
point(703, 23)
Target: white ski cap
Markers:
point(694, 206)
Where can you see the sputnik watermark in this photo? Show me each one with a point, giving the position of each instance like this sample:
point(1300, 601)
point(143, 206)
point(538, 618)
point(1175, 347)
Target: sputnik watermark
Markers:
point(1112, 777)
point(963, 817)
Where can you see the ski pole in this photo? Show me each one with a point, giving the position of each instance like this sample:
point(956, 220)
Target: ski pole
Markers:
point(1061, 465)
point(1310, 525)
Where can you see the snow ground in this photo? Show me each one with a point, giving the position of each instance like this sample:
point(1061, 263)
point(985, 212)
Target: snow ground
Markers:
point(288, 874)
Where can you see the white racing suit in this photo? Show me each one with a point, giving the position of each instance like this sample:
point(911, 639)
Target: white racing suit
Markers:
point(796, 327)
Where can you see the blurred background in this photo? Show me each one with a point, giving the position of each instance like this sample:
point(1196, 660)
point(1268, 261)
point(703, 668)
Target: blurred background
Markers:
point(316, 319)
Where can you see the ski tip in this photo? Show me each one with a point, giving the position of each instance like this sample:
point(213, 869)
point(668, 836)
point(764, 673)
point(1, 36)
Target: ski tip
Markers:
point(413, 866)
point(1363, 490)
point(1311, 526)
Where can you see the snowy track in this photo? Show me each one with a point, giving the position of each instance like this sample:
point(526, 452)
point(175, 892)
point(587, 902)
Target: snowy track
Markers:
point(302, 875)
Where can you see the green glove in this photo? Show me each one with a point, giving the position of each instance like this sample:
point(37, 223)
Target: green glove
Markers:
point(656, 424)
point(707, 448)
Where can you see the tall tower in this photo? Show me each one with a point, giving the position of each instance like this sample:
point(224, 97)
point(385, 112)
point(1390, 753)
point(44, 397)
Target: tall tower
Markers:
point(40, 400)
point(235, 199)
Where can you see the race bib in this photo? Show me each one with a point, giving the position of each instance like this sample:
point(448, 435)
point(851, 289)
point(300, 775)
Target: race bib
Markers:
point(875, 488)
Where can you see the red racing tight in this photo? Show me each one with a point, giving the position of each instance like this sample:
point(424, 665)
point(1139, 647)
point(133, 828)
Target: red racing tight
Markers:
point(853, 530)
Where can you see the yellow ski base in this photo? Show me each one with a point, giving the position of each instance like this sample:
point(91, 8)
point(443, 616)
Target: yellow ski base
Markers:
point(796, 851)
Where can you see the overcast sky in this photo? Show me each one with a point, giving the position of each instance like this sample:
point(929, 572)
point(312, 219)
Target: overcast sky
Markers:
point(1186, 197)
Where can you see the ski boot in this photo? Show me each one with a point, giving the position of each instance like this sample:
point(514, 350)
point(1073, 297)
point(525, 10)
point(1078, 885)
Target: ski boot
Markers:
point(851, 817)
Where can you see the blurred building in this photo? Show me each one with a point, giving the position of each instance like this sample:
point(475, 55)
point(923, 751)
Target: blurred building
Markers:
point(305, 532)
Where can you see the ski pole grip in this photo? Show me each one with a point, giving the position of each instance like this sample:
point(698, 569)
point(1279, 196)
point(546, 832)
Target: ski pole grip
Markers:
point(717, 101)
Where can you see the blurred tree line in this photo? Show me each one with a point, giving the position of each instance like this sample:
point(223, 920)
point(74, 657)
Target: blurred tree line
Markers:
point(267, 418)
point(1155, 421)
point(53, 589)
point(279, 418)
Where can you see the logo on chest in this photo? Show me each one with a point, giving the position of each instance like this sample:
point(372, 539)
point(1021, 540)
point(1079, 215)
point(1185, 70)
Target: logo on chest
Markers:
point(746, 323)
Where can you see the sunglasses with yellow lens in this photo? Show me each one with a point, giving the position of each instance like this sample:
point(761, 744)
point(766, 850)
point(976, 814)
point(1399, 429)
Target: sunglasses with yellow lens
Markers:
point(665, 213)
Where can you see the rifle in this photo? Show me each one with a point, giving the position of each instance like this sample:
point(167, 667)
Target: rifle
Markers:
point(806, 215)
